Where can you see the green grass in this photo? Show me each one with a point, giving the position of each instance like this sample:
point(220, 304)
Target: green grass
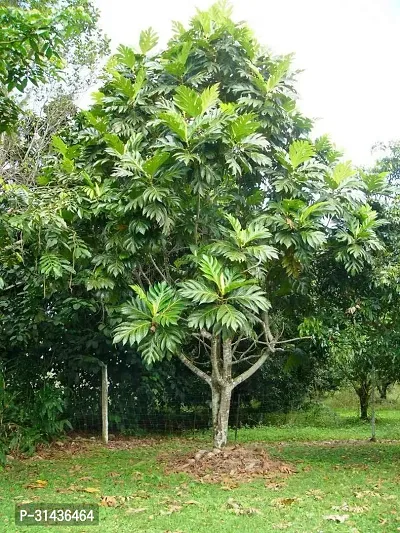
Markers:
point(364, 476)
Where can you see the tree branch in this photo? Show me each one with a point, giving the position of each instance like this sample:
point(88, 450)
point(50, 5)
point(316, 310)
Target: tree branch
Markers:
point(204, 333)
point(241, 360)
point(252, 345)
point(199, 373)
point(214, 360)
point(292, 340)
point(207, 346)
point(158, 270)
point(250, 371)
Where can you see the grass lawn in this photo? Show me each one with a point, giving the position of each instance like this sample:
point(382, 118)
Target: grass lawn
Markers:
point(358, 482)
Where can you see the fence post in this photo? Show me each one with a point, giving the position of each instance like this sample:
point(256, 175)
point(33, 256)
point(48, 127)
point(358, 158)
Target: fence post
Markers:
point(373, 427)
point(104, 402)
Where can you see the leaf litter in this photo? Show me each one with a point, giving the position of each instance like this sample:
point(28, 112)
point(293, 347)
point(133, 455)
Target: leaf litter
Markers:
point(227, 466)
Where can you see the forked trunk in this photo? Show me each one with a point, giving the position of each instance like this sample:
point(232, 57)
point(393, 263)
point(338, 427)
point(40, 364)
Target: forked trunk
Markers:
point(221, 403)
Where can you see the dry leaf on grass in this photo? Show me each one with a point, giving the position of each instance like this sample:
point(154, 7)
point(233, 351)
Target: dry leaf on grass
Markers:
point(171, 509)
point(283, 502)
point(350, 508)
point(340, 518)
point(367, 494)
point(273, 485)
point(75, 468)
point(109, 501)
point(239, 509)
point(38, 484)
point(91, 490)
point(317, 494)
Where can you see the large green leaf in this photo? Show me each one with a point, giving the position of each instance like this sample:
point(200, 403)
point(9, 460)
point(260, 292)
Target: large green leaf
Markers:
point(148, 40)
point(277, 72)
point(243, 126)
point(252, 297)
point(126, 55)
point(188, 100)
point(203, 317)
point(131, 332)
point(209, 97)
point(212, 269)
point(176, 123)
point(152, 164)
point(300, 152)
point(231, 318)
point(197, 292)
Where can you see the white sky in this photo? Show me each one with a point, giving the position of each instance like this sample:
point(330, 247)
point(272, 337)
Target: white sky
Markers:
point(349, 50)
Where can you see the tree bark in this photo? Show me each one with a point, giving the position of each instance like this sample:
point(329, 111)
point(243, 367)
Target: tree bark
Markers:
point(221, 403)
point(383, 388)
point(363, 392)
point(221, 389)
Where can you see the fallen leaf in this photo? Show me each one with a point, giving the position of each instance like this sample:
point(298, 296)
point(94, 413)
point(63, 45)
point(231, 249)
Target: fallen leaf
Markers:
point(108, 501)
point(349, 508)
point(171, 509)
point(192, 502)
point(285, 469)
point(239, 509)
point(91, 490)
point(337, 518)
point(38, 484)
point(273, 485)
point(283, 502)
point(317, 494)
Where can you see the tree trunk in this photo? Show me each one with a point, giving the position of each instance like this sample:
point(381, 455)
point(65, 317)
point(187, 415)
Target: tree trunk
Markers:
point(383, 388)
point(221, 403)
point(363, 393)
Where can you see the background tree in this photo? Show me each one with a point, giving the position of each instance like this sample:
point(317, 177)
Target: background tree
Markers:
point(68, 48)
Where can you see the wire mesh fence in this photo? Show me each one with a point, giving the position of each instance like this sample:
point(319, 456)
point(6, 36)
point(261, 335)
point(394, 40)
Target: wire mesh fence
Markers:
point(138, 409)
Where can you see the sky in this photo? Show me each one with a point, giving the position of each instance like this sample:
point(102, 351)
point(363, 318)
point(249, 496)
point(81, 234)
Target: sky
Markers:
point(348, 51)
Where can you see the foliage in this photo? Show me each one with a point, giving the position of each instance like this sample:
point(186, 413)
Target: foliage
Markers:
point(35, 43)
point(30, 417)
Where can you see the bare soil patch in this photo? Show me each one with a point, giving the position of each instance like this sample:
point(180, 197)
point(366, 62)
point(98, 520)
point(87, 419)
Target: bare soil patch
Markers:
point(233, 463)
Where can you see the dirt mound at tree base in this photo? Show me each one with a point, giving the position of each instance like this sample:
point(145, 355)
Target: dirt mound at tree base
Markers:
point(233, 463)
